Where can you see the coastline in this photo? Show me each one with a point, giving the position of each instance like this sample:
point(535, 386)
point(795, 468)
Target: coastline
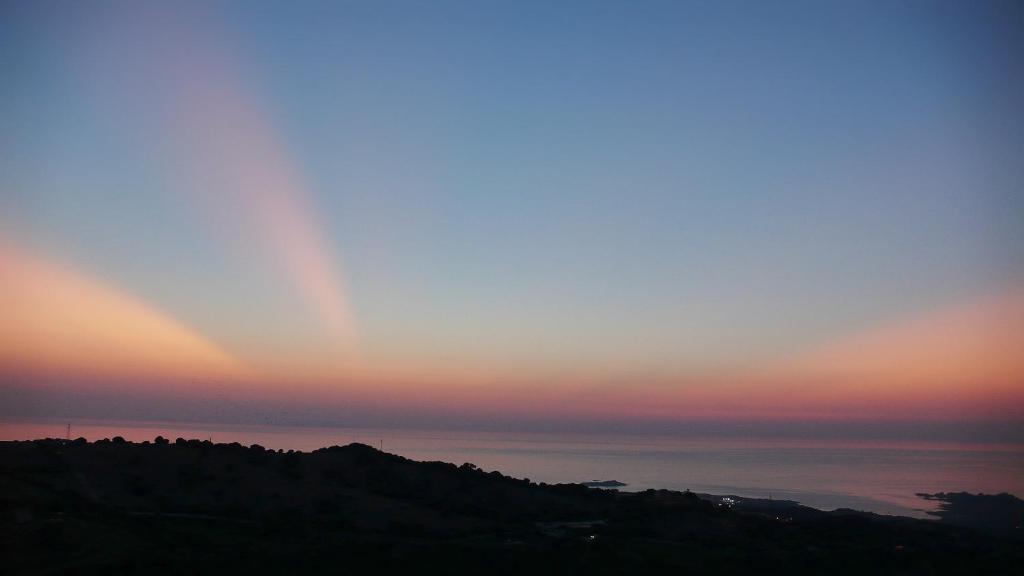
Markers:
point(357, 504)
point(866, 475)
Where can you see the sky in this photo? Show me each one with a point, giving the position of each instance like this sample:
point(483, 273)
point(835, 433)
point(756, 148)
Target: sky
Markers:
point(634, 215)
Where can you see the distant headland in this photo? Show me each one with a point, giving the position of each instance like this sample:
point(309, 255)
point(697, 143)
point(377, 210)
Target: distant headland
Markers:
point(604, 484)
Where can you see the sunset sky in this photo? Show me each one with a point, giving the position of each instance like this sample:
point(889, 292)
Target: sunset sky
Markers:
point(523, 214)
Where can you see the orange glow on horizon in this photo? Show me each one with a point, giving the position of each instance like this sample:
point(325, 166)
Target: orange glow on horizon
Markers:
point(60, 322)
point(967, 351)
point(958, 362)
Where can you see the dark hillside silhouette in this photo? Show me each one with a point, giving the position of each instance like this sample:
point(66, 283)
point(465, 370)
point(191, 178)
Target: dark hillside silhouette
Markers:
point(196, 507)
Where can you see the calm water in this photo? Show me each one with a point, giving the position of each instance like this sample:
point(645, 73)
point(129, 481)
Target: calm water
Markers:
point(867, 475)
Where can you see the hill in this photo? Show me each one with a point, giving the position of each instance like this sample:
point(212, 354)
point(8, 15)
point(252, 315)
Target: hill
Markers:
point(197, 507)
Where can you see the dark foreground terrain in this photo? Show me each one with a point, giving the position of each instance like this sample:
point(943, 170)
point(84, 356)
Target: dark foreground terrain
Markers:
point(187, 507)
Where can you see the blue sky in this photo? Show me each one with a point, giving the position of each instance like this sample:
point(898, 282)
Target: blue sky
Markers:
point(666, 186)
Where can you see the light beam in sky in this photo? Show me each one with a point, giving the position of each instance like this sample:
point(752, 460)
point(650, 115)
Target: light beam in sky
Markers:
point(227, 153)
point(237, 155)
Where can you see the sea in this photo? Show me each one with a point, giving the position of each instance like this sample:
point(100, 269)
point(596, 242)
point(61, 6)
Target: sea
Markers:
point(871, 475)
